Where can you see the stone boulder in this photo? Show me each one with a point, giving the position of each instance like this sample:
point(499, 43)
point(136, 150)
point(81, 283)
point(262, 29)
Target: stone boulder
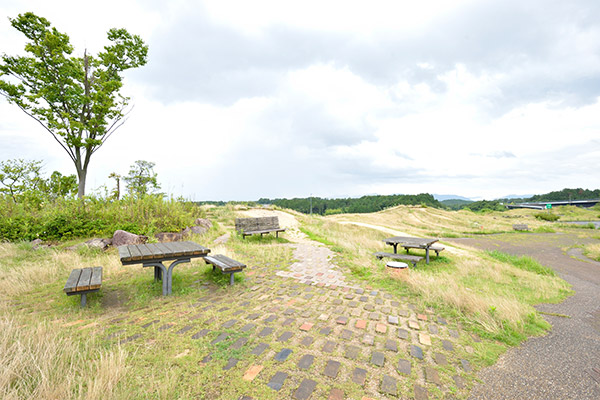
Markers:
point(204, 223)
point(169, 236)
point(121, 238)
point(101, 244)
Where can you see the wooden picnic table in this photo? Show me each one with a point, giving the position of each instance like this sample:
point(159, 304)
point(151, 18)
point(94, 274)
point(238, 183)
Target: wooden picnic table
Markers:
point(155, 254)
point(411, 243)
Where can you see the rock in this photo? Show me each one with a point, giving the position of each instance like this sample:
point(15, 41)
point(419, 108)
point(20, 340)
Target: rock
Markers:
point(96, 243)
point(169, 236)
point(121, 238)
point(37, 244)
point(203, 222)
point(199, 230)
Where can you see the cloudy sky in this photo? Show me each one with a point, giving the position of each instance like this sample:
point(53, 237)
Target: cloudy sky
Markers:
point(248, 99)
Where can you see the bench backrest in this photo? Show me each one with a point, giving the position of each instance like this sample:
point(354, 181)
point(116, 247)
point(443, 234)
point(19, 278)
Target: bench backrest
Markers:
point(256, 224)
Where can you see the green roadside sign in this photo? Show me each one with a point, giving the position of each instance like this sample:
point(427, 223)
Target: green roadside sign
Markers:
point(548, 206)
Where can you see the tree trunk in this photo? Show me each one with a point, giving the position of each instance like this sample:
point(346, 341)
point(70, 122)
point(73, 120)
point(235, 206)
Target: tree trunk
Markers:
point(81, 173)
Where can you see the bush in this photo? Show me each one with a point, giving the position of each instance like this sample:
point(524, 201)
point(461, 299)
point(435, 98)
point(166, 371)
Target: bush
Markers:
point(546, 216)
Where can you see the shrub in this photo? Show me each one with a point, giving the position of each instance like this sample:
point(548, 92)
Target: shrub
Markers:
point(546, 216)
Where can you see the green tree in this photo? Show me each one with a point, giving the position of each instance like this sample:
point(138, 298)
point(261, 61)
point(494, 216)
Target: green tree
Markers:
point(141, 180)
point(76, 99)
point(116, 194)
point(60, 186)
point(20, 176)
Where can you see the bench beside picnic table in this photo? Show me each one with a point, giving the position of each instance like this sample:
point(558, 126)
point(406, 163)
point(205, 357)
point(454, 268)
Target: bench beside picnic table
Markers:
point(262, 225)
point(413, 259)
point(82, 281)
point(225, 264)
point(412, 243)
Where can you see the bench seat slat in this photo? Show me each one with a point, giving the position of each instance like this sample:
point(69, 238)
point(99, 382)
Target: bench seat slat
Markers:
point(71, 285)
point(84, 279)
point(96, 279)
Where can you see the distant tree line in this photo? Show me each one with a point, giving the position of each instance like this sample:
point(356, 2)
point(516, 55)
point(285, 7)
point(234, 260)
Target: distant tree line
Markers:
point(364, 204)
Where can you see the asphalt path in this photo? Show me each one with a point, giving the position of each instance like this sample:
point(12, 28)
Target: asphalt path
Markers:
point(564, 364)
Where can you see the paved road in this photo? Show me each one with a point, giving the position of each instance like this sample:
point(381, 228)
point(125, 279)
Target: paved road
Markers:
point(565, 364)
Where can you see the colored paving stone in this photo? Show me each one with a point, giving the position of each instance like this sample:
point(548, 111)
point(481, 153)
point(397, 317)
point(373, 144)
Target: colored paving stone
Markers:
point(323, 317)
point(306, 326)
point(361, 324)
point(166, 326)
point(413, 325)
point(331, 368)
point(389, 385)
point(229, 324)
point(359, 376)
point(276, 382)
point(184, 329)
point(252, 372)
point(377, 358)
point(381, 328)
point(336, 394)
point(425, 339)
point(431, 375)
point(342, 320)
point(288, 321)
point(271, 318)
point(393, 320)
point(305, 389)
point(247, 327)
point(307, 341)
point(466, 365)
point(282, 355)
point(421, 393)
point(447, 345)
point(433, 329)
point(416, 352)
point(346, 334)
point(440, 358)
point(266, 331)
point(403, 334)
point(306, 361)
point(149, 324)
point(403, 367)
point(422, 317)
point(459, 381)
point(239, 343)
point(220, 338)
point(326, 330)
point(368, 340)
point(285, 336)
point(373, 316)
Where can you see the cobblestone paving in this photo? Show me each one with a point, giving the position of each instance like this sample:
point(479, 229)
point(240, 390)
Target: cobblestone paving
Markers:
point(310, 333)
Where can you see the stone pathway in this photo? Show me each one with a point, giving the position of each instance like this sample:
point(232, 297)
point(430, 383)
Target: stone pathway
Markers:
point(310, 333)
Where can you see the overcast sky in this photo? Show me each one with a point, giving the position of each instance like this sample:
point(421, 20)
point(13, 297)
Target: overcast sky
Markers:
point(248, 99)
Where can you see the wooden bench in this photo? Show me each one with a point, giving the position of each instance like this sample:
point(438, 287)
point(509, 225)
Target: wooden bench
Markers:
point(520, 227)
point(437, 248)
point(83, 281)
point(413, 259)
point(226, 264)
point(262, 225)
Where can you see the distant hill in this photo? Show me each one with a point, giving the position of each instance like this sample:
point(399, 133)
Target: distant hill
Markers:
point(444, 197)
point(455, 204)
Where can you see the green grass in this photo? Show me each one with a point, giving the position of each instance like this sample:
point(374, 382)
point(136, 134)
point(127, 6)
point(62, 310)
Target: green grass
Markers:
point(522, 262)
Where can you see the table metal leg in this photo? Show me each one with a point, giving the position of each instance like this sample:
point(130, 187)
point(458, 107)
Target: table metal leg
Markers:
point(427, 255)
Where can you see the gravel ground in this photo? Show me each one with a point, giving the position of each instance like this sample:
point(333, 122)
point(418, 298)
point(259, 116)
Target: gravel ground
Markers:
point(565, 364)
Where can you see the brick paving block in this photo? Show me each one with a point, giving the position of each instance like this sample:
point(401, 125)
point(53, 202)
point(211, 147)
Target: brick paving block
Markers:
point(368, 340)
point(353, 304)
point(336, 394)
point(239, 343)
point(433, 329)
point(431, 375)
point(389, 385)
point(166, 326)
point(377, 358)
point(200, 334)
point(328, 347)
point(416, 352)
point(447, 345)
point(352, 352)
point(386, 310)
point(288, 321)
point(337, 302)
point(331, 368)
point(346, 334)
point(361, 324)
point(220, 338)
point(380, 328)
point(364, 299)
point(323, 317)
point(403, 367)
point(422, 317)
point(466, 365)
point(391, 345)
point(149, 324)
point(306, 313)
point(276, 382)
point(326, 330)
point(454, 334)
point(378, 301)
point(414, 325)
point(442, 321)
point(257, 351)
point(369, 307)
point(404, 313)
point(305, 389)
point(305, 361)
point(403, 334)
point(306, 326)
point(459, 382)
point(359, 376)
point(247, 327)
point(421, 393)
point(282, 355)
point(425, 339)
point(359, 291)
point(395, 303)
point(349, 297)
point(229, 324)
point(271, 318)
point(230, 364)
point(440, 359)
point(130, 338)
point(285, 336)
point(373, 293)
point(206, 359)
point(184, 329)
point(392, 319)
point(307, 341)
point(289, 311)
point(374, 316)
point(342, 320)
point(265, 331)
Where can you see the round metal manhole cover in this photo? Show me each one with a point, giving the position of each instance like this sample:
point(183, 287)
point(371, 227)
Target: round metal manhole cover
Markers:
point(396, 264)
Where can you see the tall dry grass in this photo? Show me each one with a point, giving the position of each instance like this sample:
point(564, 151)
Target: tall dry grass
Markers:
point(40, 363)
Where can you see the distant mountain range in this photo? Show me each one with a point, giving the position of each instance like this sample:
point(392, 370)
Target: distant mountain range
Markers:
point(444, 197)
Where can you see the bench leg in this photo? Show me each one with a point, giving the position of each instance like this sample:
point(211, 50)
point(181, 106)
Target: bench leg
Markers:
point(231, 279)
point(157, 274)
point(83, 299)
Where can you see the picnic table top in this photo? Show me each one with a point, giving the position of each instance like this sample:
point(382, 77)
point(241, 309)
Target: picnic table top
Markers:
point(408, 241)
point(158, 252)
